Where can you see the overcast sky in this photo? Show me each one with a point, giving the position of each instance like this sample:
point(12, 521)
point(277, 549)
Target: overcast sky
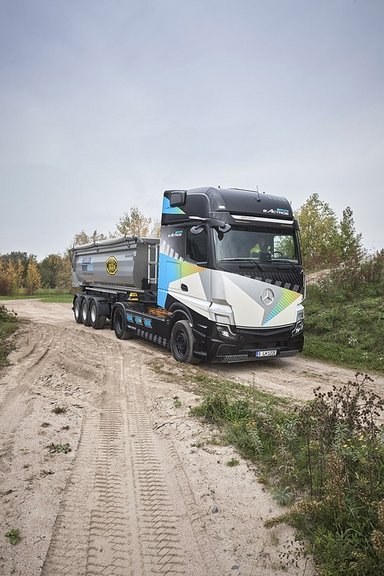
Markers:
point(105, 104)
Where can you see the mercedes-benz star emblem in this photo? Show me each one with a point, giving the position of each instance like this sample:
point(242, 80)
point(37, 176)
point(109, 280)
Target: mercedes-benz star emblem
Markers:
point(267, 297)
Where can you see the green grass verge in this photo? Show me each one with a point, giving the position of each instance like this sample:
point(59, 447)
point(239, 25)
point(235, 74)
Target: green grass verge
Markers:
point(325, 460)
point(348, 333)
point(44, 295)
point(8, 325)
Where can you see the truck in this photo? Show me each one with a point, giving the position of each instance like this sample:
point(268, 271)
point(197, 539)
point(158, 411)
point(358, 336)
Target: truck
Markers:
point(224, 283)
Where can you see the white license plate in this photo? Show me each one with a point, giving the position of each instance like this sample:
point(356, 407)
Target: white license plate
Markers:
point(264, 353)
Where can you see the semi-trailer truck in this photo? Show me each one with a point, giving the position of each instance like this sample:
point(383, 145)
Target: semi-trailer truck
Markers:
point(224, 282)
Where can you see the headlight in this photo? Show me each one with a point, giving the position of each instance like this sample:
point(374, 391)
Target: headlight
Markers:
point(225, 332)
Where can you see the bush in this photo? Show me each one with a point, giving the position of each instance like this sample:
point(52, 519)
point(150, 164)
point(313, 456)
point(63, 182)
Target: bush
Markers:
point(351, 279)
point(8, 324)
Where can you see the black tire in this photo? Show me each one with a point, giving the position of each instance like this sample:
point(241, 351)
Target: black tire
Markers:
point(85, 316)
point(77, 310)
point(120, 325)
point(97, 320)
point(182, 341)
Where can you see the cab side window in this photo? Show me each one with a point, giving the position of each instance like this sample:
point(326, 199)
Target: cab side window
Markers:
point(197, 246)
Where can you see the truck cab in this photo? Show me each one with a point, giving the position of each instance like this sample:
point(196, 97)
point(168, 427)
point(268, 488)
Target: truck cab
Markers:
point(230, 264)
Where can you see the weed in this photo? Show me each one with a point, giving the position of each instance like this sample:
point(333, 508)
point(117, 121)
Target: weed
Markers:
point(64, 448)
point(176, 402)
point(283, 496)
point(13, 536)
point(197, 445)
point(233, 462)
point(59, 409)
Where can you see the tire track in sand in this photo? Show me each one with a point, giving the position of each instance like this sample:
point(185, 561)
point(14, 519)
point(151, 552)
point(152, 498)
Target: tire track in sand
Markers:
point(92, 533)
point(127, 509)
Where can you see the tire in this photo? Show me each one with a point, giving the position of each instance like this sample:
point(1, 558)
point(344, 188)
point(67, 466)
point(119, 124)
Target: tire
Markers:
point(120, 325)
point(77, 310)
point(97, 320)
point(182, 341)
point(85, 316)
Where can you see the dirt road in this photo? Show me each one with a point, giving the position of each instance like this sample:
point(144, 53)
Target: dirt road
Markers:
point(103, 471)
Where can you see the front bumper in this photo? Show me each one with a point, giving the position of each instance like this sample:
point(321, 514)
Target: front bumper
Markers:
point(245, 345)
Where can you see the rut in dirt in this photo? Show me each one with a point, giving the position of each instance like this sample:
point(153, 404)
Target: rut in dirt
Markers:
point(122, 512)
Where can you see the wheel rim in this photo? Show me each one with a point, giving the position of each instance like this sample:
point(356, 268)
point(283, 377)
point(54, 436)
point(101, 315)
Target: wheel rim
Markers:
point(84, 311)
point(77, 309)
point(181, 343)
point(93, 313)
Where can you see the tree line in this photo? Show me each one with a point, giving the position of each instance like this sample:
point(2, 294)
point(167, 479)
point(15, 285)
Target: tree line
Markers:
point(326, 243)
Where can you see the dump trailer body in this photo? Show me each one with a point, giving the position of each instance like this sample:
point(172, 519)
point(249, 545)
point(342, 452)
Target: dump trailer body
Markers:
point(128, 262)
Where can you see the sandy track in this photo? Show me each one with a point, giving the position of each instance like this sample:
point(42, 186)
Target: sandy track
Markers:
point(139, 493)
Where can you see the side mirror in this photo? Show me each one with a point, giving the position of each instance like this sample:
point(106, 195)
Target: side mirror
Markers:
point(195, 230)
point(224, 228)
point(177, 198)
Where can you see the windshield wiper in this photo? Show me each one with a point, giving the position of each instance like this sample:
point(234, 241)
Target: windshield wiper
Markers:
point(252, 261)
point(286, 261)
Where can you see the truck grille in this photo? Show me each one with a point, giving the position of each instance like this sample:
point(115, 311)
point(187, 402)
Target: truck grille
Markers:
point(291, 279)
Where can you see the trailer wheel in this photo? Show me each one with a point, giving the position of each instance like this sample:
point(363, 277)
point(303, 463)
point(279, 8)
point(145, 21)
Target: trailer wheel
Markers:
point(181, 343)
point(97, 320)
point(77, 310)
point(120, 325)
point(85, 316)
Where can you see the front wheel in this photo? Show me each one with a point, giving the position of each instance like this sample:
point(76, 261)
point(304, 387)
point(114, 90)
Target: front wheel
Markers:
point(182, 341)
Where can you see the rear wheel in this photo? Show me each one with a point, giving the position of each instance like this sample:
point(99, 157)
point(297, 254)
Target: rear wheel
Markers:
point(85, 316)
point(120, 325)
point(77, 310)
point(182, 341)
point(97, 319)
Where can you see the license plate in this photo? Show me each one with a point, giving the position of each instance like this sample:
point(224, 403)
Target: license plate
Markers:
point(264, 353)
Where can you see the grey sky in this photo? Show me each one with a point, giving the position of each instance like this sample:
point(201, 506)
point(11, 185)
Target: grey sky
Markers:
point(104, 104)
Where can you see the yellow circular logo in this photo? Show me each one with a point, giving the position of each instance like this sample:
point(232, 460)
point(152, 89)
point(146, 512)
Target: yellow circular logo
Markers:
point(111, 265)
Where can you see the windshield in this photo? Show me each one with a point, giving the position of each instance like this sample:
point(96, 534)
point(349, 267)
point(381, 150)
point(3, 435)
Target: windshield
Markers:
point(257, 244)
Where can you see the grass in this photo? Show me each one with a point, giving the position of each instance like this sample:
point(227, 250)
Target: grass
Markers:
point(8, 325)
point(47, 295)
point(59, 409)
point(60, 448)
point(13, 536)
point(324, 459)
point(349, 333)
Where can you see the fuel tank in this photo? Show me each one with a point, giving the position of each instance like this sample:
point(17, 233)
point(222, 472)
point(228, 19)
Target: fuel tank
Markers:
point(128, 262)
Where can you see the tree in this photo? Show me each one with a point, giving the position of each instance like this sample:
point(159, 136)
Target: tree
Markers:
point(11, 276)
point(320, 238)
point(133, 223)
point(83, 238)
point(33, 280)
point(49, 269)
point(351, 249)
point(64, 280)
point(5, 285)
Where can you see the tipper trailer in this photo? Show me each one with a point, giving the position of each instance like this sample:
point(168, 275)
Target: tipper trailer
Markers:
point(224, 283)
